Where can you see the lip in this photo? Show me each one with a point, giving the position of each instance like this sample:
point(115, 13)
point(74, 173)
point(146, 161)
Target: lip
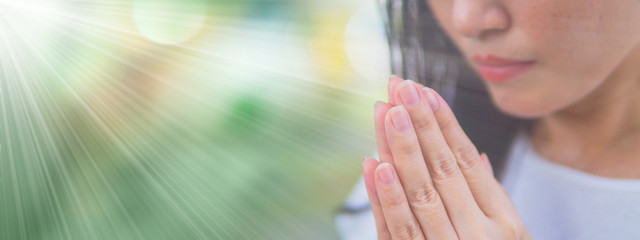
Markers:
point(496, 69)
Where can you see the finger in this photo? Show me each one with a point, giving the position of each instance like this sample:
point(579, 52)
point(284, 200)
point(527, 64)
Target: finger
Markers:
point(397, 213)
point(414, 176)
point(393, 82)
point(484, 187)
point(464, 213)
point(380, 110)
point(486, 161)
point(369, 166)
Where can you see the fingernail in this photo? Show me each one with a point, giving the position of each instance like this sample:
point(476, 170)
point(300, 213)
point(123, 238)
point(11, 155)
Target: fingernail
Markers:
point(400, 119)
point(433, 101)
point(409, 93)
point(377, 104)
point(385, 173)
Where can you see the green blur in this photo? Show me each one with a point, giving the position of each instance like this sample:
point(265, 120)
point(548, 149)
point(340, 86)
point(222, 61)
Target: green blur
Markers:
point(250, 127)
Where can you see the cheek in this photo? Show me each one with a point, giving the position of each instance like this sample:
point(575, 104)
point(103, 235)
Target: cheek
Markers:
point(565, 37)
point(581, 38)
point(577, 46)
point(441, 11)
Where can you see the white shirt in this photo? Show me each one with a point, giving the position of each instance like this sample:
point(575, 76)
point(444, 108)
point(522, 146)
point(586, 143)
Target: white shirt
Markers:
point(554, 202)
point(558, 202)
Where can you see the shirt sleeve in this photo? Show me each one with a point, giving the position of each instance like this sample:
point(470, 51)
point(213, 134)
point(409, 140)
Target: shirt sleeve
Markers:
point(355, 220)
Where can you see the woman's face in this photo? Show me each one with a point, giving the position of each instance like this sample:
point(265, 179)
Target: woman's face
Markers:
point(576, 46)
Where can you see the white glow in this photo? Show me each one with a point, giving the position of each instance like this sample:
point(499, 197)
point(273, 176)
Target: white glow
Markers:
point(36, 9)
point(169, 21)
point(28, 25)
point(365, 43)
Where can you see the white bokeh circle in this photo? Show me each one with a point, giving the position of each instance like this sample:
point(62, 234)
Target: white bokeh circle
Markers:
point(366, 44)
point(169, 22)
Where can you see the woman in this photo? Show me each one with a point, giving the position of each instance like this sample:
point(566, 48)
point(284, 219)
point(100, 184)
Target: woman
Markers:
point(568, 70)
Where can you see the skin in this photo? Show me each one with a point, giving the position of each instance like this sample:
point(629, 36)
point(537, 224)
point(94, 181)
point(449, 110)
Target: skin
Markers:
point(583, 94)
point(431, 182)
point(584, 90)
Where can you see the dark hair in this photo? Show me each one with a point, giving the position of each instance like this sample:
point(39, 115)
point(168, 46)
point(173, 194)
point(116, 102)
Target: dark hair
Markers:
point(420, 50)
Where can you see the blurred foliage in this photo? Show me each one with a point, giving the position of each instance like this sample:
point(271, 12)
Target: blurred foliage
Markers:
point(172, 119)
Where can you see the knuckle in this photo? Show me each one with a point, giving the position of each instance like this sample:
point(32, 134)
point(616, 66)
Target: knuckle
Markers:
point(409, 149)
point(467, 156)
point(443, 168)
point(409, 231)
point(512, 229)
point(512, 233)
point(425, 123)
point(447, 123)
point(424, 196)
point(396, 202)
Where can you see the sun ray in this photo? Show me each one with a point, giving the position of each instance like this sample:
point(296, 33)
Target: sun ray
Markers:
point(241, 127)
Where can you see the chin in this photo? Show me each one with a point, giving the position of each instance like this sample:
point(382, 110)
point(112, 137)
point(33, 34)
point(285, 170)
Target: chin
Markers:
point(518, 106)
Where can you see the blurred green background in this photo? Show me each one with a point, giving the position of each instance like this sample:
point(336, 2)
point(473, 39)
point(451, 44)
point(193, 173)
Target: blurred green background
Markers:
point(184, 119)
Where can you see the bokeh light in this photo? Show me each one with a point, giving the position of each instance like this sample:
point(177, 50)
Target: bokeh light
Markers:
point(365, 43)
point(167, 119)
point(170, 21)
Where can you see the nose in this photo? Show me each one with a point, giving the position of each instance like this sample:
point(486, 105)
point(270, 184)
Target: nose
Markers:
point(477, 18)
